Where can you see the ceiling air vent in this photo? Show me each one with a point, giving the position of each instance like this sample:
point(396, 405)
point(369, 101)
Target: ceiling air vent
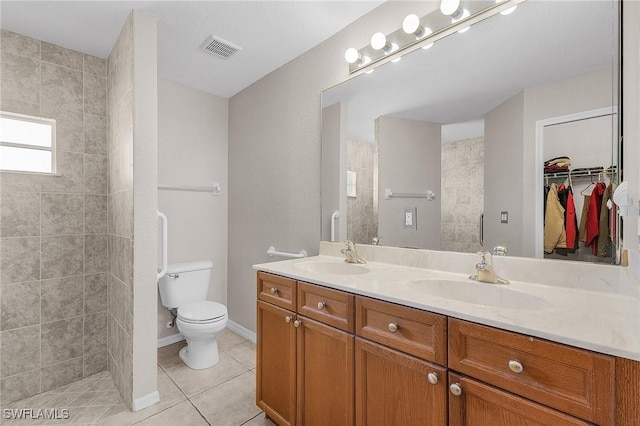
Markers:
point(219, 47)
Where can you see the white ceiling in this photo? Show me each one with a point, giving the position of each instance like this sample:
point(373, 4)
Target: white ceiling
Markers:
point(271, 33)
point(464, 76)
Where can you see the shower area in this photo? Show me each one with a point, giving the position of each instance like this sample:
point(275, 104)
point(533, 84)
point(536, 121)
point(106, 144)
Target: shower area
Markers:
point(78, 246)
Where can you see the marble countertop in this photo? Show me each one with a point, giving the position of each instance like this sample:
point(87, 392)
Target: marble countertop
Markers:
point(605, 322)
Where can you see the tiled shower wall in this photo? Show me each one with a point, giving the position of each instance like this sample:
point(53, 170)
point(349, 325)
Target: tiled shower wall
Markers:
point(53, 256)
point(120, 207)
point(362, 211)
point(462, 198)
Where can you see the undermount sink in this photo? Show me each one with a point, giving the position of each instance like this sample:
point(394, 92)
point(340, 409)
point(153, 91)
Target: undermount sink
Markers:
point(333, 268)
point(482, 294)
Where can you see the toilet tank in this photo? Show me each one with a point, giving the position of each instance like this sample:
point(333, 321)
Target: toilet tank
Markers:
point(185, 283)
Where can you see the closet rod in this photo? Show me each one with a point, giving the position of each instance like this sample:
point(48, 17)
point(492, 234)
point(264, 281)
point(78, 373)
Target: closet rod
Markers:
point(582, 173)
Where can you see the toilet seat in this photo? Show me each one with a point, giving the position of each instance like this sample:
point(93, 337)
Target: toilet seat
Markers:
point(202, 312)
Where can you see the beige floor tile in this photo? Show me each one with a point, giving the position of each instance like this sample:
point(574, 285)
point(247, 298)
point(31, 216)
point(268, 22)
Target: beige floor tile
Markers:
point(168, 355)
point(244, 353)
point(227, 339)
point(259, 420)
point(181, 414)
point(192, 382)
point(170, 395)
point(231, 403)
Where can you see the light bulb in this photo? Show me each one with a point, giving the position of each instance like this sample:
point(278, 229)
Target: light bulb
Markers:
point(396, 59)
point(427, 32)
point(449, 7)
point(465, 14)
point(352, 55)
point(507, 11)
point(379, 41)
point(411, 25)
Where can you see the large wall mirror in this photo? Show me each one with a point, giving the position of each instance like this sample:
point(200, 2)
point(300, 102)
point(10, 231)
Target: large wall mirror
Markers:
point(446, 148)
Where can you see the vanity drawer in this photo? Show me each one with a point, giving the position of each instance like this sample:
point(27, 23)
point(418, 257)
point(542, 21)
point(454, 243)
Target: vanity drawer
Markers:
point(410, 330)
point(332, 307)
point(277, 290)
point(571, 380)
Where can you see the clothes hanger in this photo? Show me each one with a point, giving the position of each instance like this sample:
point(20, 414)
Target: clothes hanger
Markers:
point(587, 187)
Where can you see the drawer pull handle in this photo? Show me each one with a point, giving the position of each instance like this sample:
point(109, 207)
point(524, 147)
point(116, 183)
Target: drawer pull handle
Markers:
point(433, 378)
point(515, 366)
point(321, 305)
point(274, 290)
point(456, 389)
point(287, 319)
point(393, 327)
point(297, 323)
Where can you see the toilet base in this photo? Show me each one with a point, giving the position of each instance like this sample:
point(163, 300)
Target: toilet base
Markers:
point(199, 355)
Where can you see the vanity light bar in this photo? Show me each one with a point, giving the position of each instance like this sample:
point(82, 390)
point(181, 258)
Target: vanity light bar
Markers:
point(422, 32)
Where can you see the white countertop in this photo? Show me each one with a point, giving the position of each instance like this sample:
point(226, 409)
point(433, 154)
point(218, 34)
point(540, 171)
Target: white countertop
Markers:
point(605, 322)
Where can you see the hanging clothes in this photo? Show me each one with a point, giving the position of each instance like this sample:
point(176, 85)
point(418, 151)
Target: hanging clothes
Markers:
point(613, 215)
point(593, 217)
point(582, 231)
point(605, 245)
point(565, 195)
point(554, 231)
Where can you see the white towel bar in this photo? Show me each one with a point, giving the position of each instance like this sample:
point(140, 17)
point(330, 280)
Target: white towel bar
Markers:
point(271, 251)
point(389, 194)
point(214, 189)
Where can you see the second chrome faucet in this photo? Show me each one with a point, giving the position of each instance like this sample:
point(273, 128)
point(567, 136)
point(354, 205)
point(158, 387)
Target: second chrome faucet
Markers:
point(485, 272)
point(351, 254)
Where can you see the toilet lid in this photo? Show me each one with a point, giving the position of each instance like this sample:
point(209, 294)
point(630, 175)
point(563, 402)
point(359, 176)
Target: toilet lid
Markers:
point(205, 310)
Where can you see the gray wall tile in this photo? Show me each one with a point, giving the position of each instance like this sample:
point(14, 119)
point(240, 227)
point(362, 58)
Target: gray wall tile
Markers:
point(62, 87)
point(71, 167)
point(120, 213)
point(69, 128)
point(62, 256)
point(95, 171)
point(20, 386)
point(20, 305)
point(95, 362)
point(95, 332)
point(95, 94)
point(19, 106)
point(95, 293)
point(62, 214)
point(120, 168)
point(62, 298)
point(19, 214)
point(95, 134)
point(20, 78)
point(19, 260)
point(61, 56)
point(95, 214)
point(121, 258)
point(61, 340)
point(94, 65)
point(20, 350)
point(61, 374)
point(19, 44)
point(95, 253)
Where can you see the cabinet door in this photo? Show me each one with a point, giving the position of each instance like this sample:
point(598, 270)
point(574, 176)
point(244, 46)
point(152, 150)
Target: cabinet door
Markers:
point(276, 363)
point(325, 374)
point(393, 388)
point(473, 403)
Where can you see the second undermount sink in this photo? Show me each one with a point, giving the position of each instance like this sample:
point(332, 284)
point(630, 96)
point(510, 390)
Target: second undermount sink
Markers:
point(482, 294)
point(333, 268)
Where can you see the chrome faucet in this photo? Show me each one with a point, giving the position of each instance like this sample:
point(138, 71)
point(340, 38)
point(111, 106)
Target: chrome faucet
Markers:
point(485, 271)
point(351, 253)
point(375, 241)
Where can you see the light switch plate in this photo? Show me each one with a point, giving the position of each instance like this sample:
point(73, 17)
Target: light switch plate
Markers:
point(410, 215)
point(504, 217)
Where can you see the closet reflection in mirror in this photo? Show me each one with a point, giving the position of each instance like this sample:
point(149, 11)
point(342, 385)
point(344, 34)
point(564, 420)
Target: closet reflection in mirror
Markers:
point(460, 120)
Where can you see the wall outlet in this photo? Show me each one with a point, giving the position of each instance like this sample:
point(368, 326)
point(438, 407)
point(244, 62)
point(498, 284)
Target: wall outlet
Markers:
point(410, 215)
point(504, 217)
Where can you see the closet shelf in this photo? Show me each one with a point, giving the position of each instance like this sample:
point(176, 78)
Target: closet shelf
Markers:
point(583, 172)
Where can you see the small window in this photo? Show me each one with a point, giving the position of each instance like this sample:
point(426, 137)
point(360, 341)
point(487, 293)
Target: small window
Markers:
point(27, 143)
point(351, 184)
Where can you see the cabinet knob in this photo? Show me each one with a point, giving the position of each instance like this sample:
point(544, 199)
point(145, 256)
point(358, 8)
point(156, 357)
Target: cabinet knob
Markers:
point(287, 319)
point(297, 323)
point(393, 327)
point(433, 378)
point(515, 366)
point(456, 389)
point(274, 290)
point(321, 305)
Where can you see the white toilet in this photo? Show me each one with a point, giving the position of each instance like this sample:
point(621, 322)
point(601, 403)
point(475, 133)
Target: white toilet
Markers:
point(185, 287)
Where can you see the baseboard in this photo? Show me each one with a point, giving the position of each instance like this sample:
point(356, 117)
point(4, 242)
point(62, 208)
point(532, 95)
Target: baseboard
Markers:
point(146, 401)
point(244, 332)
point(170, 340)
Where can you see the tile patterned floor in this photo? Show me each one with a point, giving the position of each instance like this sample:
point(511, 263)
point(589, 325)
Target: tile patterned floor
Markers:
point(218, 396)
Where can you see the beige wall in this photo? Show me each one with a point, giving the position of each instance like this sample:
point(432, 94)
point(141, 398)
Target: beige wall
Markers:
point(409, 157)
point(53, 324)
point(274, 154)
point(334, 171)
point(362, 213)
point(193, 150)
